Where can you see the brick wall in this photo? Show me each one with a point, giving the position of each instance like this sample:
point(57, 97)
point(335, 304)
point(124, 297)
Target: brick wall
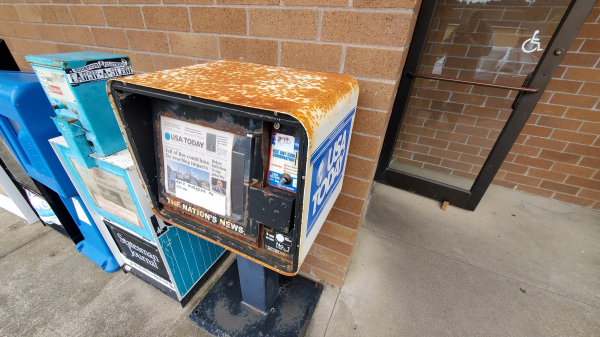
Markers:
point(451, 129)
point(364, 38)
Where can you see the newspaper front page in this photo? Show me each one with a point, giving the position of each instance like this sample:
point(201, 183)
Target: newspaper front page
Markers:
point(197, 164)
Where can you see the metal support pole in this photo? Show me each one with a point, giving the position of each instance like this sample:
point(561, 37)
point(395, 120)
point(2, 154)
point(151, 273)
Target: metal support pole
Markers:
point(259, 285)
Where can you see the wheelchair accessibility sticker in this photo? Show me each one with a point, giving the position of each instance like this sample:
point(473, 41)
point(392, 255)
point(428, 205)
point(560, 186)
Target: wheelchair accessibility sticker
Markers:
point(533, 44)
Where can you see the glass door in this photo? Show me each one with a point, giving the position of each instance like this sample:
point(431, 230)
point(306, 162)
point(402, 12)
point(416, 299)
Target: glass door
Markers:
point(474, 72)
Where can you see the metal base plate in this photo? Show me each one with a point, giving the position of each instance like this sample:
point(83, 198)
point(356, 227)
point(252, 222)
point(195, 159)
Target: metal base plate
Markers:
point(222, 313)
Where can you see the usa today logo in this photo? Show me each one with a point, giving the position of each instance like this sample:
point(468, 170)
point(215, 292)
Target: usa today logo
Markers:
point(167, 136)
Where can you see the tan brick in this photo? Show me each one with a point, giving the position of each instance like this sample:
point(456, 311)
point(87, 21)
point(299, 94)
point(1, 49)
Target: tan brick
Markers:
point(375, 94)
point(247, 2)
point(8, 13)
point(162, 62)
point(68, 48)
point(148, 41)
point(110, 37)
point(579, 60)
point(66, 1)
point(322, 3)
point(41, 47)
point(328, 277)
point(76, 34)
point(307, 268)
point(21, 46)
point(6, 29)
point(328, 267)
point(359, 167)
point(550, 109)
point(166, 18)
point(123, 16)
point(364, 146)
point(286, 23)
point(140, 61)
point(410, 4)
point(356, 187)
point(29, 13)
point(223, 20)
point(369, 121)
point(249, 50)
point(311, 56)
point(563, 85)
point(56, 14)
point(332, 256)
point(590, 88)
point(573, 170)
point(25, 30)
point(195, 45)
point(573, 200)
point(88, 15)
point(339, 232)
point(387, 29)
point(575, 137)
point(374, 62)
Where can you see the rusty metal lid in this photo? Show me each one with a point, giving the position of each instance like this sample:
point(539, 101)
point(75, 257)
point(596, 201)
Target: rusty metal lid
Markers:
point(306, 95)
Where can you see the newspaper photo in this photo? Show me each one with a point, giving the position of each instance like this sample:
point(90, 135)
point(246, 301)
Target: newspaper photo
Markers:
point(109, 192)
point(197, 164)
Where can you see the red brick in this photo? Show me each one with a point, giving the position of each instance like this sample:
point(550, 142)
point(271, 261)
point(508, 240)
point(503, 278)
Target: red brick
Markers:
point(472, 131)
point(573, 169)
point(409, 120)
point(427, 159)
point(575, 137)
point(490, 123)
point(563, 86)
point(442, 144)
point(453, 137)
point(457, 165)
point(439, 125)
point(339, 232)
point(585, 114)
point(559, 156)
point(332, 256)
point(546, 143)
point(583, 182)
point(464, 148)
point(472, 159)
point(590, 46)
point(356, 187)
point(535, 190)
point(590, 88)
point(349, 204)
point(536, 162)
point(519, 179)
point(328, 277)
point(334, 244)
point(470, 176)
point(503, 183)
point(559, 123)
point(458, 118)
point(573, 200)
point(590, 162)
point(563, 188)
point(580, 60)
point(526, 150)
point(415, 148)
point(513, 167)
point(547, 175)
point(415, 130)
point(584, 150)
point(346, 219)
point(536, 131)
point(574, 100)
point(549, 109)
point(328, 267)
point(444, 154)
point(582, 74)
point(589, 194)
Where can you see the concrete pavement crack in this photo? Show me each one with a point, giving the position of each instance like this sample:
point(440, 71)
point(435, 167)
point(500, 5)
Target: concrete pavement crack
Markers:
point(351, 314)
point(459, 259)
point(25, 244)
point(331, 315)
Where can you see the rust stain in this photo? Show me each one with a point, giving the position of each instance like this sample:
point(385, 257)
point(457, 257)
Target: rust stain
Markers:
point(305, 95)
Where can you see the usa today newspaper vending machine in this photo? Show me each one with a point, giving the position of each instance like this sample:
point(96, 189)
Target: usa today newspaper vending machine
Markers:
point(93, 152)
point(26, 126)
point(250, 157)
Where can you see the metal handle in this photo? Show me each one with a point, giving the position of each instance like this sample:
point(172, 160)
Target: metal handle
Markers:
point(483, 84)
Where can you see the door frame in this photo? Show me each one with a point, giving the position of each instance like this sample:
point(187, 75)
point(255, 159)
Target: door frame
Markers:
point(523, 106)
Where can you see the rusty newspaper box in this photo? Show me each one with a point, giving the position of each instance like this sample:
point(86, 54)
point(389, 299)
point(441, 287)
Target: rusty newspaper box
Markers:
point(250, 157)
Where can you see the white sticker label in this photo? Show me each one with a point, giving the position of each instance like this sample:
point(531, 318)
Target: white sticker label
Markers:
point(55, 84)
point(80, 212)
point(284, 160)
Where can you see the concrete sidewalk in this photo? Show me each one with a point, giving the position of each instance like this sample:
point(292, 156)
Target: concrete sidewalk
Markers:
point(520, 265)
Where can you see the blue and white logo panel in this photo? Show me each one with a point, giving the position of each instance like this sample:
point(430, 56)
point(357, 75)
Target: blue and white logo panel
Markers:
point(328, 162)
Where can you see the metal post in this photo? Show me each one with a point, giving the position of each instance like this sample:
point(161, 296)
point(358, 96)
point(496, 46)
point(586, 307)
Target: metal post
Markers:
point(259, 285)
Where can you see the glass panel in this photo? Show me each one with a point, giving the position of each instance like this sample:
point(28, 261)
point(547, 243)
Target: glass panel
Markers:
point(15, 167)
point(450, 128)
